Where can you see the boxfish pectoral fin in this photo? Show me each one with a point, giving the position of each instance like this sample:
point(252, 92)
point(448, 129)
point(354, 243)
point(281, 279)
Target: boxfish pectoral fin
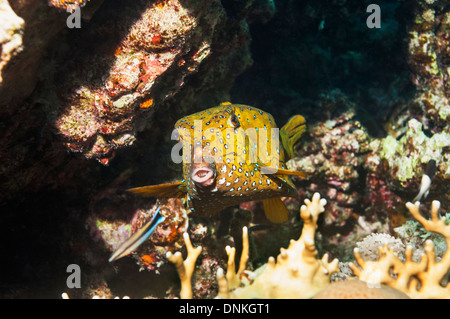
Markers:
point(275, 210)
point(168, 190)
point(138, 237)
point(267, 170)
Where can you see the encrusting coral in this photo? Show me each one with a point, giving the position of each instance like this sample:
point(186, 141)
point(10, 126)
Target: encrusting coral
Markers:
point(357, 289)
point(417, 280)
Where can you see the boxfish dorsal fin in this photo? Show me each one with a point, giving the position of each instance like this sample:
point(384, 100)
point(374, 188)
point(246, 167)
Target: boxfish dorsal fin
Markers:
point(167, 190)
point(290, 134)
point(275, 210)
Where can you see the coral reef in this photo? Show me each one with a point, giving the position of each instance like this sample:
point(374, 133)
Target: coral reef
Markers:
point(333, 154)
point(296, 273)
point(99, 86)
point(408, 155)
point(111, 91)
point(425, 132)
point(99, 116)
point(428, 58)
point(424, 279)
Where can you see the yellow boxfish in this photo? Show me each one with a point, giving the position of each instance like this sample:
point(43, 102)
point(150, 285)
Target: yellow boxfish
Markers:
point(233, 154)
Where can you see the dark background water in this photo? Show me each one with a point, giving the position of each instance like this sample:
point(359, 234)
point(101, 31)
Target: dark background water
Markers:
point(311, 48)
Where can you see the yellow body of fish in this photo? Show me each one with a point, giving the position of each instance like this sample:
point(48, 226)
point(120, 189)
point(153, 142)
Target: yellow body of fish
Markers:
point(233, 154)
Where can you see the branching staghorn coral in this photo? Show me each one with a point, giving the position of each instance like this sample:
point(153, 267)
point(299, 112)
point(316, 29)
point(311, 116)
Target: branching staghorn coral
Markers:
point(418, 280)
point(296, 273)
point(233, 278)
point(185, 268)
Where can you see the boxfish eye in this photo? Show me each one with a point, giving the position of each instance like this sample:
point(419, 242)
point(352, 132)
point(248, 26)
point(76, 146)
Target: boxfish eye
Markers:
point(233, 121)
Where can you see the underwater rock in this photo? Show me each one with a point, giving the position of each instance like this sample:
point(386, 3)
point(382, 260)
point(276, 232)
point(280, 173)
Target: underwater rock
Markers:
point(30, 27)
point(166, 237)
point(98, 86)
point(100, 103)
point(421, 131)
point(11, 34)
point(67, 4)
point(331, 158)
point(134, 68)
point(408, 155)
point(429, 60)
point(369, 247)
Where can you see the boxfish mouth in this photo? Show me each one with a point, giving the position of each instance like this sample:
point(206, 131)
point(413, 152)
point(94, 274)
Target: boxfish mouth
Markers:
point(203, 176)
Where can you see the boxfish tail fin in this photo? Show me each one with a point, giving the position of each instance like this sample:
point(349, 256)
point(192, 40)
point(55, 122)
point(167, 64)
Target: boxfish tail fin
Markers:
point(291, 133)
point(275, 210)
point(167, 190)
